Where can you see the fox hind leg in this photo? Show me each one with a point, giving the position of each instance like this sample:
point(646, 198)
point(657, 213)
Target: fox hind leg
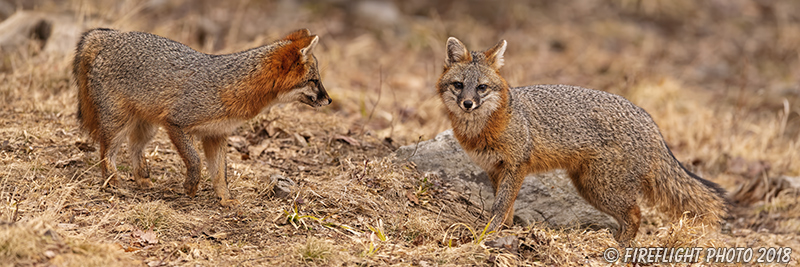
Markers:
point(183, 143)
point(109, 146)
point(214, 148)
point(141, 133)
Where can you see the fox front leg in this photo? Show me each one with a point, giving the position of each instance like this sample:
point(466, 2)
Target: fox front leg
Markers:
point(507, 181)
point(214, 147)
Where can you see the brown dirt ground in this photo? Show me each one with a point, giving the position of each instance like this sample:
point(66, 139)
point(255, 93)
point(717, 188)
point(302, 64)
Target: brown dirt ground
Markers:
point(719, 77)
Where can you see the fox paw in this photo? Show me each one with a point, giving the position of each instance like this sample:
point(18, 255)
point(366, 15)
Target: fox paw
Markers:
point(191, 190)
point(229, 203)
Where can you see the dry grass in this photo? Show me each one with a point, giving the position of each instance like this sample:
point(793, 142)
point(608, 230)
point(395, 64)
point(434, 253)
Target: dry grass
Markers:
point(32, 242)
point(719, 78)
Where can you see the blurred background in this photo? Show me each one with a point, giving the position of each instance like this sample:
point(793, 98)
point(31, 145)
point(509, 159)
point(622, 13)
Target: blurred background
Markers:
point(720, 77)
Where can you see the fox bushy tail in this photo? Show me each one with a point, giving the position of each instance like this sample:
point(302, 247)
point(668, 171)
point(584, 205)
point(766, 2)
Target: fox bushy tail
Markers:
point(675, 190)
point(85, 54)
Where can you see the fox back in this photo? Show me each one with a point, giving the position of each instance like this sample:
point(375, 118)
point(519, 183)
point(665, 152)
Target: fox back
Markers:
point(162, 80)
point(612, 149)
point(130, 82)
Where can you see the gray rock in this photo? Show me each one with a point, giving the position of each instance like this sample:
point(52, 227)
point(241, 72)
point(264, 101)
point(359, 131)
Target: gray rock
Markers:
point(547, 197)
point(282, 186)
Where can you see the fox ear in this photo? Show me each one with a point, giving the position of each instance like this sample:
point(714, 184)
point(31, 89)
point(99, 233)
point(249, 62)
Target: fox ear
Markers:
point(456, 52)
point(494, 56)
point(312, 42)
point(296, 35)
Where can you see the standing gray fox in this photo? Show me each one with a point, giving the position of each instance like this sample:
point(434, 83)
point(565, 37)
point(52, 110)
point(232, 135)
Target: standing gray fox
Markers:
point(129, 83)
point(611, 149)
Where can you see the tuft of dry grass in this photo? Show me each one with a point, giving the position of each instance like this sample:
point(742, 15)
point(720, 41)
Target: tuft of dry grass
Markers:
point(35, 241)
point(315, 251)
point(154, 215)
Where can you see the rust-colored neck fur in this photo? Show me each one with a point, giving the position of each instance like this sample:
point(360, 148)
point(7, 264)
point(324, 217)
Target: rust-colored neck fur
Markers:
point(278, 72)
point(493, 127)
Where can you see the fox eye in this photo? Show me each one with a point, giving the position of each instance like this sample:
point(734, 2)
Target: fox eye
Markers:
point(458, 85)
point(315, 81)
point(482, 88)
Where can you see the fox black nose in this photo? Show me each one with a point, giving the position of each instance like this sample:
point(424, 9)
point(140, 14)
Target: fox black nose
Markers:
point(467, 104)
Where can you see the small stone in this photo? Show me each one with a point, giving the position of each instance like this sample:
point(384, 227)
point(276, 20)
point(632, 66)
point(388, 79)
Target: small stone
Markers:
point(283, 186)
point(49, 254)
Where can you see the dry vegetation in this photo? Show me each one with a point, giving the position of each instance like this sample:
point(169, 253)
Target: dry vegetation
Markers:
point(721, 78)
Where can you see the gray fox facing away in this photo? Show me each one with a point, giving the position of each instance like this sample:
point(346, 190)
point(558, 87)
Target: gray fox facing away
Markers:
point(611, 149)
point(130, 83)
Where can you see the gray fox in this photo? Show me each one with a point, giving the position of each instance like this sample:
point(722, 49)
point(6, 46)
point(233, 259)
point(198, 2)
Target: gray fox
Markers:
point(129, 83)
point(611, 149)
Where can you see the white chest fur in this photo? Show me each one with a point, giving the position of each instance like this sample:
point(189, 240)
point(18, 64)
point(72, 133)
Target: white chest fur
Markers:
point(486, 159)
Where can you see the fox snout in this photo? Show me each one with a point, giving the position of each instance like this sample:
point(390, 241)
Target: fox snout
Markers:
point(320, 99)
point(315, 95)
point(468, 105)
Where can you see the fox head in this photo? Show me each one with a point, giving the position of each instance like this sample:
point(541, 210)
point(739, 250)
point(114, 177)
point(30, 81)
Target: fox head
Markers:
point(296, 66)
point(471, 87)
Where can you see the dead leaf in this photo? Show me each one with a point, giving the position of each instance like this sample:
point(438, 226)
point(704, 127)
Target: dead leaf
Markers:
point(84, 146)
point(148, 237)
point(349, 140)
point(300, 140)
point(75, 161)
point(272, 130)
point(239, 142)
point(412, 198)
point(508, 243)
point(256, 150)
